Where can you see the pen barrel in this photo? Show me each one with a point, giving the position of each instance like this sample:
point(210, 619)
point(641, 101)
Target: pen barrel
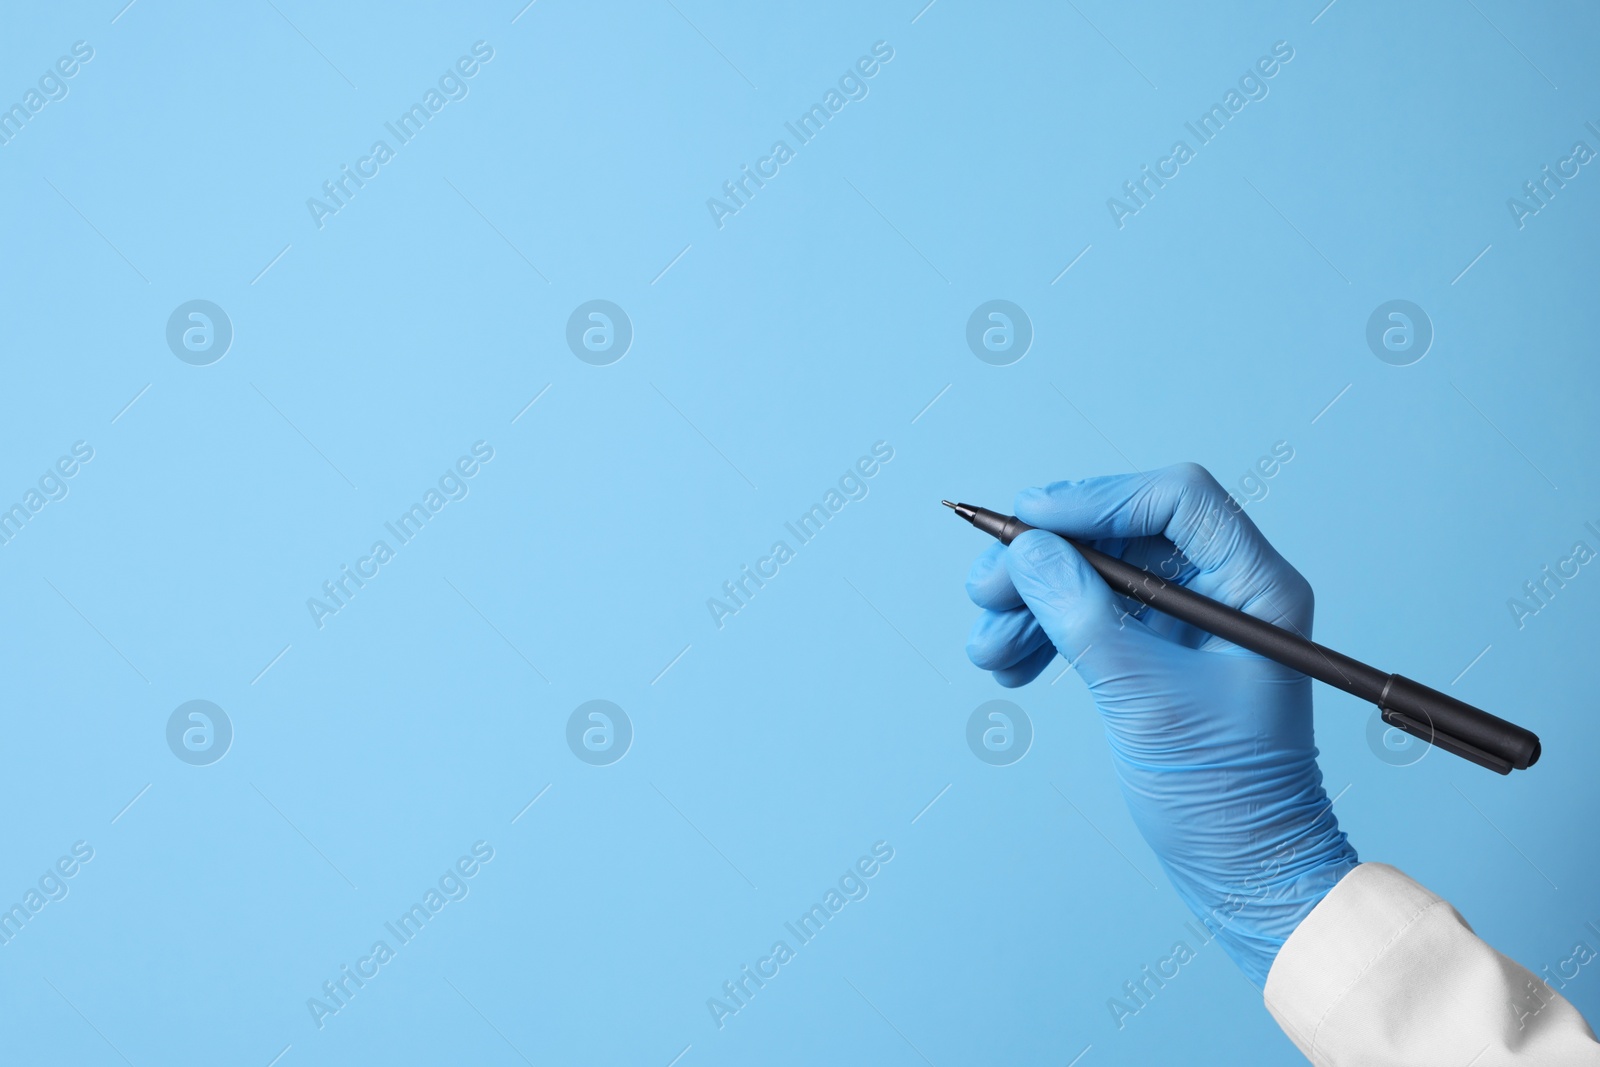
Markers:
point(1442, 720)
point(1247, 631)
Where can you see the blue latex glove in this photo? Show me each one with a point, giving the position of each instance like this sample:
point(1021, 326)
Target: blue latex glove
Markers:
point(1212, 744)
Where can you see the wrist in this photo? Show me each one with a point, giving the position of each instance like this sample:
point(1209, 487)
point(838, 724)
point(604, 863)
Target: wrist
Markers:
point(1251, 914)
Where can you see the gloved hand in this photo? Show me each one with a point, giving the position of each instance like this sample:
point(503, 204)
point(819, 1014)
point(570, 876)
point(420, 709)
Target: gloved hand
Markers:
point(1212, 744)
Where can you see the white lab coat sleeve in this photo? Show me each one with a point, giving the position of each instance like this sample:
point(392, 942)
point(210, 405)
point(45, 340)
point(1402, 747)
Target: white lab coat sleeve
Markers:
point(1383, 972)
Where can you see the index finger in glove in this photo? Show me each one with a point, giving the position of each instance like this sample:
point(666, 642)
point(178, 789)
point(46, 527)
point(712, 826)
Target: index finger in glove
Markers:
point(1233, 562)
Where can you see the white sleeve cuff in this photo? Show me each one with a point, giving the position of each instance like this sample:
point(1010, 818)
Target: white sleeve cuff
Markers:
point(1384, 972)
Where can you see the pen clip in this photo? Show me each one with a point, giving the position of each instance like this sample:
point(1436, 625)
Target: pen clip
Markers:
point(1426, 732)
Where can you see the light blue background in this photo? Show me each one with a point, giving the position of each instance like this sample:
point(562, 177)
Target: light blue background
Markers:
point(825, 316)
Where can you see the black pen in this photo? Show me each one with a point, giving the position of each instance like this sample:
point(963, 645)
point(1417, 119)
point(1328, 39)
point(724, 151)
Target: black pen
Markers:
point(1441, 720)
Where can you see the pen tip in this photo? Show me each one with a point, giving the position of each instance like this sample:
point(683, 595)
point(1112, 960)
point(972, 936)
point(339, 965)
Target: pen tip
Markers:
point(947, 503)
